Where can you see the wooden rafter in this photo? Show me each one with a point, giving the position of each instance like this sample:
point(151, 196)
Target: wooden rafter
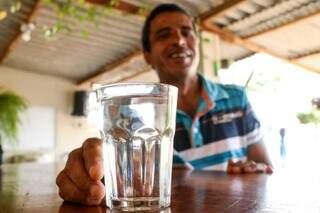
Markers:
point(122, 6)
point(299, 20)
point(18, 35)
point(234, 39)
point(100, 73)
point(135, 74)
point(108, 68)
point(310, 55)
point(220, 10)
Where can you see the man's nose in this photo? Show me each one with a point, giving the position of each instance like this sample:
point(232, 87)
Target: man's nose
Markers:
point(179, 39)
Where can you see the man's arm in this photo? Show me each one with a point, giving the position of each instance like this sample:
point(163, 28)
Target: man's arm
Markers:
point(257, 157)
point(257, 152)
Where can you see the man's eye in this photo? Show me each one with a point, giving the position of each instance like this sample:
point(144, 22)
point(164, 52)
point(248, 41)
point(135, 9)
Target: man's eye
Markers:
point(186, 32)
point(162, 35)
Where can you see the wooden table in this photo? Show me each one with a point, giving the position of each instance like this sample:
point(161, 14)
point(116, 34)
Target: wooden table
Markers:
point(31, 188)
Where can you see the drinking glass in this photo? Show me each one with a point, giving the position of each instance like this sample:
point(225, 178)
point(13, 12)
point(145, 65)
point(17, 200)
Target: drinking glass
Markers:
point(137, 124)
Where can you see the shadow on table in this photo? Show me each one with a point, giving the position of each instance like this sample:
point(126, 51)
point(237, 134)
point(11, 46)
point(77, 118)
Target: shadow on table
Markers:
point(67, 207)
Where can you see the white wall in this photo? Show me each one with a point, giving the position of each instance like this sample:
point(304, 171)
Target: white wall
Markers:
point(37, 130)
point(51, 92)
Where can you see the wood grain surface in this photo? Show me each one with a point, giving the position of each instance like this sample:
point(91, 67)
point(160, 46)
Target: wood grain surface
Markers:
point(31, 188)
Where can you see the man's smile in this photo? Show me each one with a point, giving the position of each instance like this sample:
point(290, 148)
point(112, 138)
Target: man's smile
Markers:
point(183, 54)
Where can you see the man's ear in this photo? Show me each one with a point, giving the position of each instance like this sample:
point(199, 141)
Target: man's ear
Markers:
point(147, 57)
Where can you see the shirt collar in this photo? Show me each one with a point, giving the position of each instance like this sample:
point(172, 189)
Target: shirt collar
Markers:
point(214, 91)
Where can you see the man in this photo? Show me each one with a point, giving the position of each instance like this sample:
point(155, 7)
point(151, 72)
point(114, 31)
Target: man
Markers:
point(215, 123)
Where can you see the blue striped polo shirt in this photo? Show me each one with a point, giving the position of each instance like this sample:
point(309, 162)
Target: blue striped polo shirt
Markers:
point(223, 128)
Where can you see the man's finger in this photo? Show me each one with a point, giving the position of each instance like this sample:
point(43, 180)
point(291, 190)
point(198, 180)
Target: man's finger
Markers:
point(70, 192)
point(269, 169)
point(235, 167)
point(250, 167)
point(261, 168)
point(76, 172)
point(93, 158)
point(253, 167)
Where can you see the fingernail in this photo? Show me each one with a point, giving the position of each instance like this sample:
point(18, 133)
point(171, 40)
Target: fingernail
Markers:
point(261, 167)
point(96, 171)
point(92, 171)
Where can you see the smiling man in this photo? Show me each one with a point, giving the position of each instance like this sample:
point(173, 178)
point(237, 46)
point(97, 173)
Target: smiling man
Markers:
point(215, 123)
point(216, 128)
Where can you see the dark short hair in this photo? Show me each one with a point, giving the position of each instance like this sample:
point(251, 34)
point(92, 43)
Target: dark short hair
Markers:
point(162, 8)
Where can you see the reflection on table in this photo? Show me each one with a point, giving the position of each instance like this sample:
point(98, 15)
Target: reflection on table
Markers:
point(31, 187)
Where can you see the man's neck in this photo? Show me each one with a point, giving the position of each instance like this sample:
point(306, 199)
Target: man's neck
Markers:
point(189, 92)
point(189, 86)
point(186, 86)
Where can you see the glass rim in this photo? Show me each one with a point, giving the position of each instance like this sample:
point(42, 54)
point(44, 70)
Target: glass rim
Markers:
point(134, 84)
point(101, 92)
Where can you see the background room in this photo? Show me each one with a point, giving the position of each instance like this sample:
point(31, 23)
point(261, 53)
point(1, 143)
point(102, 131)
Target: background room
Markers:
point(54, 53)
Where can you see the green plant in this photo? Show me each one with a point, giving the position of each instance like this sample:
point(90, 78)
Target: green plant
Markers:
point(310, 117)
point(11, 105)
point(72, 15)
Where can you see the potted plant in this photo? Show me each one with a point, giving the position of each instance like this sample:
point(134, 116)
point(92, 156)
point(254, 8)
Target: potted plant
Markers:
point(11, 105)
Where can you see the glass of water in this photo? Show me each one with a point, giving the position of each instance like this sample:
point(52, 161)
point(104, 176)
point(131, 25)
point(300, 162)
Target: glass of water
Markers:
point(137, 123)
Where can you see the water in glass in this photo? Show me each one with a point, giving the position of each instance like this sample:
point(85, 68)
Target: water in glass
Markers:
point(138, 133)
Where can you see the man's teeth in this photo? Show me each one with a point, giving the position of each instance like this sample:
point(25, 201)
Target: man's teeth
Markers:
point(180, 55)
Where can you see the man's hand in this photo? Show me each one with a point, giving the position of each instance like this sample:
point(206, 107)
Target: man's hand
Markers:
point(250, 166)
point(80, 180)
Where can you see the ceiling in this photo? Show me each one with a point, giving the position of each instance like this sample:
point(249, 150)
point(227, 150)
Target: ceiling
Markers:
point(109, 49)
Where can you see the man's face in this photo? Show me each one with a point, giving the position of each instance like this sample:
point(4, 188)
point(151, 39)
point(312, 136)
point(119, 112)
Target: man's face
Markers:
point(174, 46)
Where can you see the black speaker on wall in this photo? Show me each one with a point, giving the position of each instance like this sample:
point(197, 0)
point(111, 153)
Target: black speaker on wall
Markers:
point(80, 102)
